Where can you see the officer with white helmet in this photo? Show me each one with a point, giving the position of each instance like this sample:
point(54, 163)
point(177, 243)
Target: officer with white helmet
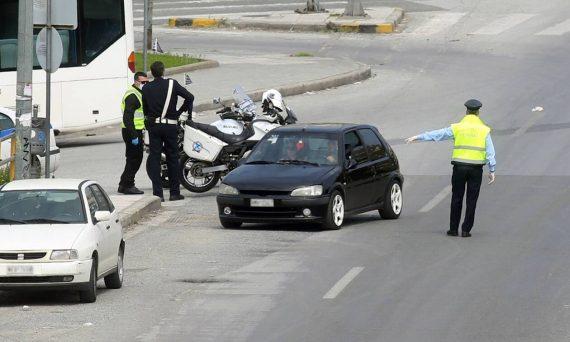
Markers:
point(473, 148)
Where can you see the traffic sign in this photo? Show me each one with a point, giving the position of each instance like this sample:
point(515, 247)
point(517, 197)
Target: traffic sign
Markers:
point(63, 14)
point(56, 50)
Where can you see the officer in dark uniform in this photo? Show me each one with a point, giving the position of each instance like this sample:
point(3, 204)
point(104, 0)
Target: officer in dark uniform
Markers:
point(132, 127)
point(163, 128)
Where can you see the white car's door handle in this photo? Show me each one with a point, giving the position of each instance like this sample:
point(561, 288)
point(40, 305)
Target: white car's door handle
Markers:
point(108, 227)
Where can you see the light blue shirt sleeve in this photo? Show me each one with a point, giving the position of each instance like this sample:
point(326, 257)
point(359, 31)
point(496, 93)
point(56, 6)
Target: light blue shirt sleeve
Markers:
point(437, 135)
point(490, 153)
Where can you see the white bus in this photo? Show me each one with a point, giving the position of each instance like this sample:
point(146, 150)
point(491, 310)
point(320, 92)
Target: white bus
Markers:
point(98, 65)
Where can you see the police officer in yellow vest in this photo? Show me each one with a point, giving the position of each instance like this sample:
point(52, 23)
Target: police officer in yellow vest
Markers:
point(132, 131)
point(473, 148)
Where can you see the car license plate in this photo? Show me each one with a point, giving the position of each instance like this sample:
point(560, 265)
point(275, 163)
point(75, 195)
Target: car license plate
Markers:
point(20, 270)
point(256, 202)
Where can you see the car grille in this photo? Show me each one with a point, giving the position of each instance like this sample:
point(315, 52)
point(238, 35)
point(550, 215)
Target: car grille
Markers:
point(27, 256)
point(35, 280)
point(275, 212)
point(264, 192)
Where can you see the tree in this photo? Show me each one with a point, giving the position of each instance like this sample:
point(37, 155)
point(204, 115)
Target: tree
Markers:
point(312, 7)
point(354, 9)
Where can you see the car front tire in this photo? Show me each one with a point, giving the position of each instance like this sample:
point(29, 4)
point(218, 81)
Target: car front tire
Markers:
point(335, 212)
point(89, 295)
point(115, 280)
point(393, 201)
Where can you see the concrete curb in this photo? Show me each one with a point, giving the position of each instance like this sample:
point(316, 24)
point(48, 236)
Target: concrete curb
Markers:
point(138, 210)
point(207, 64)
point(362, 73)
point(389, 26)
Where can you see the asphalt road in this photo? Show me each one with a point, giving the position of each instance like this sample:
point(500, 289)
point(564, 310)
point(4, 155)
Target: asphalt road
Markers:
point(187, 279)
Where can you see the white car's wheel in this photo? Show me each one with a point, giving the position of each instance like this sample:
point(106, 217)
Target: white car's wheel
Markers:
point(89, 294)
point(115, 280)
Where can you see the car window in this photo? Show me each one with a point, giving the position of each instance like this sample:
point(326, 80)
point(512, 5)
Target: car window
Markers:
point(5, 122)
point(41, 206)
point(102, 202)
point(374, 146)
point(91, 201)
point(109, 202)
point(358, 150)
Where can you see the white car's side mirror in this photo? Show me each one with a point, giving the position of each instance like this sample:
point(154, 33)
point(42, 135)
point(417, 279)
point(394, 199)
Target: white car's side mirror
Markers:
point(102, 216)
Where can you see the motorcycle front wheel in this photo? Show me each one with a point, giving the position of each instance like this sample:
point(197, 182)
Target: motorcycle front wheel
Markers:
point(193, 179)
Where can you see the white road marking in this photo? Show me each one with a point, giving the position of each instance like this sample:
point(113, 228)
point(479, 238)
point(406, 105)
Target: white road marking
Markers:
point(436, 200)
point(343, 283)
point(438, 23)
point(503, 24)
point(556, 30)
point(524, 128)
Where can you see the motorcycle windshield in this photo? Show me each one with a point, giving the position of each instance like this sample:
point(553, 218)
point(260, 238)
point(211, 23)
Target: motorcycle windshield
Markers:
point(244, 102)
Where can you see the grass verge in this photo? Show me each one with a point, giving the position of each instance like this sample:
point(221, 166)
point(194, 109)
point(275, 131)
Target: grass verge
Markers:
point(4, 175)
point(169, 61)
point(302, 54)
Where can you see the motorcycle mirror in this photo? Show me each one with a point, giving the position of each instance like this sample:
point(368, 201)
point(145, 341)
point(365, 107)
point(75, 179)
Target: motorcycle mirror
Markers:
point(216, 100)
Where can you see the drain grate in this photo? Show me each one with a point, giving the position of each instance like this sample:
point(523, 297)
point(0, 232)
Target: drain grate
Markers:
point(181, 219)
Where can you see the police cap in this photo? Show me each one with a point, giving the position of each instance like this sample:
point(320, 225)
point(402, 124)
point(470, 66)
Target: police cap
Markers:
point(473, 104)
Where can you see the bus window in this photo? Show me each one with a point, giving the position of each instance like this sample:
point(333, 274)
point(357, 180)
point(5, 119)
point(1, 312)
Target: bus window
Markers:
point(102, 24)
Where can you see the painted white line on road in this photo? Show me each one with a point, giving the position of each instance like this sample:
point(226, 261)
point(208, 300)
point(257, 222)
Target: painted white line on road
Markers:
point(436, 200)
point(505, 23)
point(556, 30)
point(438, 23)
point(343, 283)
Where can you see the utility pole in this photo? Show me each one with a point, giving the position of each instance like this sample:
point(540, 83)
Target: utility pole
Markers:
point(24, 88)
point(354, 9)
point(147, 32)
point(47, 123)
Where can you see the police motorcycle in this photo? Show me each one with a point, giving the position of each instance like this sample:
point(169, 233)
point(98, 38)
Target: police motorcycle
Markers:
point(211, 151)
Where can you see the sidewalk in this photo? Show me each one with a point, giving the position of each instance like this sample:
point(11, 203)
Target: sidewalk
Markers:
point(378, 20)
point(132, 208)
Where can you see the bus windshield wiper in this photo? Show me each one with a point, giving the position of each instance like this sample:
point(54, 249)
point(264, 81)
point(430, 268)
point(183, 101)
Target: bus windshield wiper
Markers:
point(10, 221)
point(297, 162)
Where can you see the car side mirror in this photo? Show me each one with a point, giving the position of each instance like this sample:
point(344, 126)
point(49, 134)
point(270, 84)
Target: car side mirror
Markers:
point(350, 163)
point(216, 100)
point(102, 216)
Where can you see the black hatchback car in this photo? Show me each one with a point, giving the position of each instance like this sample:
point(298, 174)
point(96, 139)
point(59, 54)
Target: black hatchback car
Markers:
point(313, 173)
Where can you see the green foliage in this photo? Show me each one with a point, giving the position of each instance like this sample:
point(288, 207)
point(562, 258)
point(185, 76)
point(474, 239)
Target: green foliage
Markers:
point(169, 61)
point(4, 175)
point(302, 54)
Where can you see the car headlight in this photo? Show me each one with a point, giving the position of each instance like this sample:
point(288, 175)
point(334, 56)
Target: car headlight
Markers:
point(314, 190)
point(65, 254)
point(227, 190)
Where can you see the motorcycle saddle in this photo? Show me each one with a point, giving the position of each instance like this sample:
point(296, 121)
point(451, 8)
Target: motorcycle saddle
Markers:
point(227, 138)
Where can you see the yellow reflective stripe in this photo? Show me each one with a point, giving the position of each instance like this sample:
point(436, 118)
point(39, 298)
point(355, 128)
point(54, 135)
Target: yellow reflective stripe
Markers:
point(473, 148)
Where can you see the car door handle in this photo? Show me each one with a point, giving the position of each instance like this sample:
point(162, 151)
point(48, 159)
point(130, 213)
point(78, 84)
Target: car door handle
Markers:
point(108, 227)
point(117, 221)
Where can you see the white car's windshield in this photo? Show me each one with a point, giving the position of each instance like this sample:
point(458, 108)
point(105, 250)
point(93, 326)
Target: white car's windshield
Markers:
point(40, 207)
point(296, 148)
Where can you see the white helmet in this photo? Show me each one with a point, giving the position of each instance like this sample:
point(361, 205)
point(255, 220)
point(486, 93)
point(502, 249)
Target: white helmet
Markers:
point(272, 99)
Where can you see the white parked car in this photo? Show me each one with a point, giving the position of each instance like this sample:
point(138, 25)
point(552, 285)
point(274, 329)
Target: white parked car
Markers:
point(59, 233)
point(7, 120)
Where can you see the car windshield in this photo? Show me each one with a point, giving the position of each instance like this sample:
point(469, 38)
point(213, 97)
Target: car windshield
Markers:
point(40, 207)
point(298, 148)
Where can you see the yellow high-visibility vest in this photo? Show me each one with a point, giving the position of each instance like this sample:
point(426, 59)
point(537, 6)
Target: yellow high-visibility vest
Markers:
point(470, 137)
point(139, 113)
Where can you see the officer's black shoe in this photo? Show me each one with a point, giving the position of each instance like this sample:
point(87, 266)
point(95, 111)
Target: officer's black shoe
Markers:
point(465, 234)
point(176, 198)
point(133, 190)
point(162, 199)
point(452, 233)
point(121, 189)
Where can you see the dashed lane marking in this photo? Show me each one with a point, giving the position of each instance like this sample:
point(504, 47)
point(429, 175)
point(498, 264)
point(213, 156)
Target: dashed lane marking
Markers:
point(436, 200)
point(556, 30)
point(343, 283)
point(438, 23)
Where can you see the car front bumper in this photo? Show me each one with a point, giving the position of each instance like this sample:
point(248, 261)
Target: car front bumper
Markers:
point(285, 209)
point(45, 274)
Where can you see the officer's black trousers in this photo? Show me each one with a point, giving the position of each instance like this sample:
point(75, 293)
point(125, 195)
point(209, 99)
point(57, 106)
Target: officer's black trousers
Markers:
point(163, 135)
point(470, 176)
point(134, 157)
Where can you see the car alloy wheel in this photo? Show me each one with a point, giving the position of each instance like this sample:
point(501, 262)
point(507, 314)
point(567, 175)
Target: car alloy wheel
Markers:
point(120, 269)
point(396, 198)
point(338, 210)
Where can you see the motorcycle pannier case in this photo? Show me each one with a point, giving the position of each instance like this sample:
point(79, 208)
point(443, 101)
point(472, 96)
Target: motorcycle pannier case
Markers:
point(201, 146)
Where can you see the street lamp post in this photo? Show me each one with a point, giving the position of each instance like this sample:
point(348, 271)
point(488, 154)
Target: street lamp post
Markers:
point(354, 8)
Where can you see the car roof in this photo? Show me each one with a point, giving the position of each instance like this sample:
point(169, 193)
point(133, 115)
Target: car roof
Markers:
point(8, 111)
point(320, 127)
point(44, 184)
